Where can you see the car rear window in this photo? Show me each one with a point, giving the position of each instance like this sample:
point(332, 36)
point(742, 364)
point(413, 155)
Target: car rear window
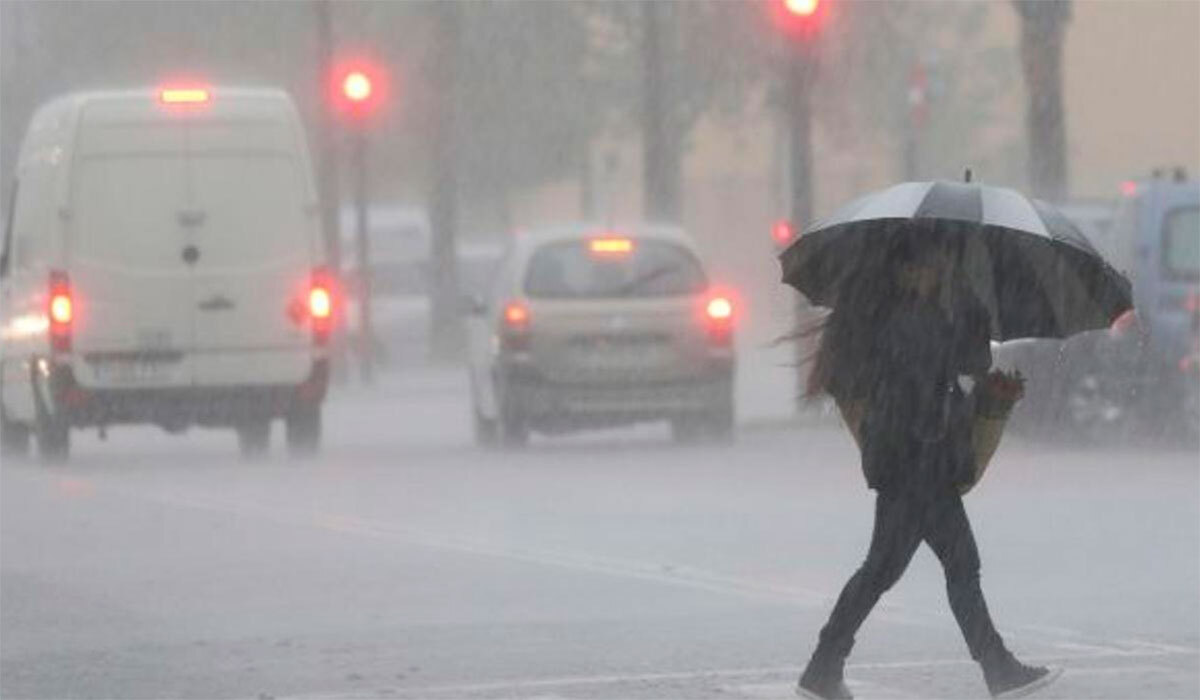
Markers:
point(573, 270)
point(1181, 243)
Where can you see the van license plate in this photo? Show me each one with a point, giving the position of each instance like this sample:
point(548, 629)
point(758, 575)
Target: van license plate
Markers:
point(131, 371)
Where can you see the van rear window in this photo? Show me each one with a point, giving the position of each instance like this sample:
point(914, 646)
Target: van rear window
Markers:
point(644, 268)
point(1181, 243)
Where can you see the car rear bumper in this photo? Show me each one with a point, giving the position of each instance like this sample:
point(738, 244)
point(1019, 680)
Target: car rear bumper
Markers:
point(176, 407)
point(549, 404)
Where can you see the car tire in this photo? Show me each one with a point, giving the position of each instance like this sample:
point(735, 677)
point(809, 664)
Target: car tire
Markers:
point(53, 440)
point(486, 430)
point(720, 423)
point(14, 439)
point(254, 438)
point(715, 424)
point(1095, 415)
point(302, 428)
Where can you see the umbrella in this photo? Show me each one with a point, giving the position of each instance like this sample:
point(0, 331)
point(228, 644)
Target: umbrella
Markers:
point(1036, 272)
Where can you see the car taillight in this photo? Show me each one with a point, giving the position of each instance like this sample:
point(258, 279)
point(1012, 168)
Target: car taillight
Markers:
point(61, 310)
point(718, 319)
point(321, 305)
point(613, 246)
point(1123, 324)
point(514, 326)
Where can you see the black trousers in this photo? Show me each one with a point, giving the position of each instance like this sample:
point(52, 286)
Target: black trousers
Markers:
point(902, 522)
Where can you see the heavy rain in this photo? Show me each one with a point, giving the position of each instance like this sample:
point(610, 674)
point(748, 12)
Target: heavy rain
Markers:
point(597, 349)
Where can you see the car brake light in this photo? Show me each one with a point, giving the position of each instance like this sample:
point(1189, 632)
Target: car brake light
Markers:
point(718, 319)
point(516, 315)
point(1129, 188)
point(61, 310)
point(719, 309)
point(183, 95)
point(611, 246)
point(1192, 302)
point(1123, 324)
point(514, 335)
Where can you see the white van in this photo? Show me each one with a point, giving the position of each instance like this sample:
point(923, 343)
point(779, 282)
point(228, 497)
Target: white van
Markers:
point(163, 263)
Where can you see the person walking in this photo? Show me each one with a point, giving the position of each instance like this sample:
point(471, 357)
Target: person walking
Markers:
point(891, 353)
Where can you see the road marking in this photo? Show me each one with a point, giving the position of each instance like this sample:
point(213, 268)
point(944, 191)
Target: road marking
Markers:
point(872, 688)
point(667, 574)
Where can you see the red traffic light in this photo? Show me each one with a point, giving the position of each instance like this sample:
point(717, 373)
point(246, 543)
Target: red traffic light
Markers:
point(799, 18)
point(801, 8)
point(356, 86)
point(783, 233)
point(357, 89)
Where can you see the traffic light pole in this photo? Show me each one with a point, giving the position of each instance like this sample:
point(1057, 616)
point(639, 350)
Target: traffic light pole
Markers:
point(798, 73)
point(366, 332)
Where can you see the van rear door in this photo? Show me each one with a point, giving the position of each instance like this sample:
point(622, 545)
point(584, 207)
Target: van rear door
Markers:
point(254, 268)
point(131, 287)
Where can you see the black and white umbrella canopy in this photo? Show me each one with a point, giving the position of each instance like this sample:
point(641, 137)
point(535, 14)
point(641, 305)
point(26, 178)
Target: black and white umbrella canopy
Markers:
point(1036, 271)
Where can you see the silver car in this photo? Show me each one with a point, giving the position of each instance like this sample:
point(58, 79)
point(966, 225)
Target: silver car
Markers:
point(590, 327)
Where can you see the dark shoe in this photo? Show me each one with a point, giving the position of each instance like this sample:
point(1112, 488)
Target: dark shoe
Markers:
point(1012, 679)
point(823, 684)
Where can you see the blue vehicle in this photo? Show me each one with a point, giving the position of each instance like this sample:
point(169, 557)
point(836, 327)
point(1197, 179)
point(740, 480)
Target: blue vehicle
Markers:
point(1143, 374)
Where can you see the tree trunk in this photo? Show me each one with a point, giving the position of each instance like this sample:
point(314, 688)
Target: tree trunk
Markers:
point(446, 334)
point(328, 192)
point(1043, 27)
point(662, 161)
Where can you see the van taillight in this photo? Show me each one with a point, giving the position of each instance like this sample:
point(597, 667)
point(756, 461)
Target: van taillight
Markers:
point(61, 310)
point(321, 305)
point(514, 331)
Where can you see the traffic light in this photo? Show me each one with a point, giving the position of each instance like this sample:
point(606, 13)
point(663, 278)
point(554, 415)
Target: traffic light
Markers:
point(358, 90)
point(783, 233)
point(356, 87)
point(799, 18)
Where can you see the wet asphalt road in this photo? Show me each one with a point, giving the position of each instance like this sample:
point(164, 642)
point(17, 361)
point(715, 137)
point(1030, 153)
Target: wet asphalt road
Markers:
point(406, 563)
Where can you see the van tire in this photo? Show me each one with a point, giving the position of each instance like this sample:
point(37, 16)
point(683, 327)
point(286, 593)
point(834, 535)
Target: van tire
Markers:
point(254, 438)
point(14, 439)
point(715, 425)
point(302, 427)
point(487, 433)
point(53, 440)
point(514, 430)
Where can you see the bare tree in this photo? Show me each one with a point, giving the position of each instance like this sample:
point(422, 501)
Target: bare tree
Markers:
point(1043, 26)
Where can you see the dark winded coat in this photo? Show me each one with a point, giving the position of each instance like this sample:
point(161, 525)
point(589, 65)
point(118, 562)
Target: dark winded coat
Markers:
point(916, 430)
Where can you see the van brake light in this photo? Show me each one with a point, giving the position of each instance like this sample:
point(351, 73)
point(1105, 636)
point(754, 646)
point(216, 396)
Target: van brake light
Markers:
point(61, 310)
point(321, 304)
point(183, 95)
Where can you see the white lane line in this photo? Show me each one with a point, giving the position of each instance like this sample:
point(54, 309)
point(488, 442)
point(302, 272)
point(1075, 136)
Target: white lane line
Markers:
point(673, 575)
point(732, 675)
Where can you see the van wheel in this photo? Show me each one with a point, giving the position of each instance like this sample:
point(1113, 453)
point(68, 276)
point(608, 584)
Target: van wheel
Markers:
point(514, 430)
point(254, 437)
point(53, 440)
point(14, 439)
point(487, 432)
point(303, 430)
point(686, 429)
